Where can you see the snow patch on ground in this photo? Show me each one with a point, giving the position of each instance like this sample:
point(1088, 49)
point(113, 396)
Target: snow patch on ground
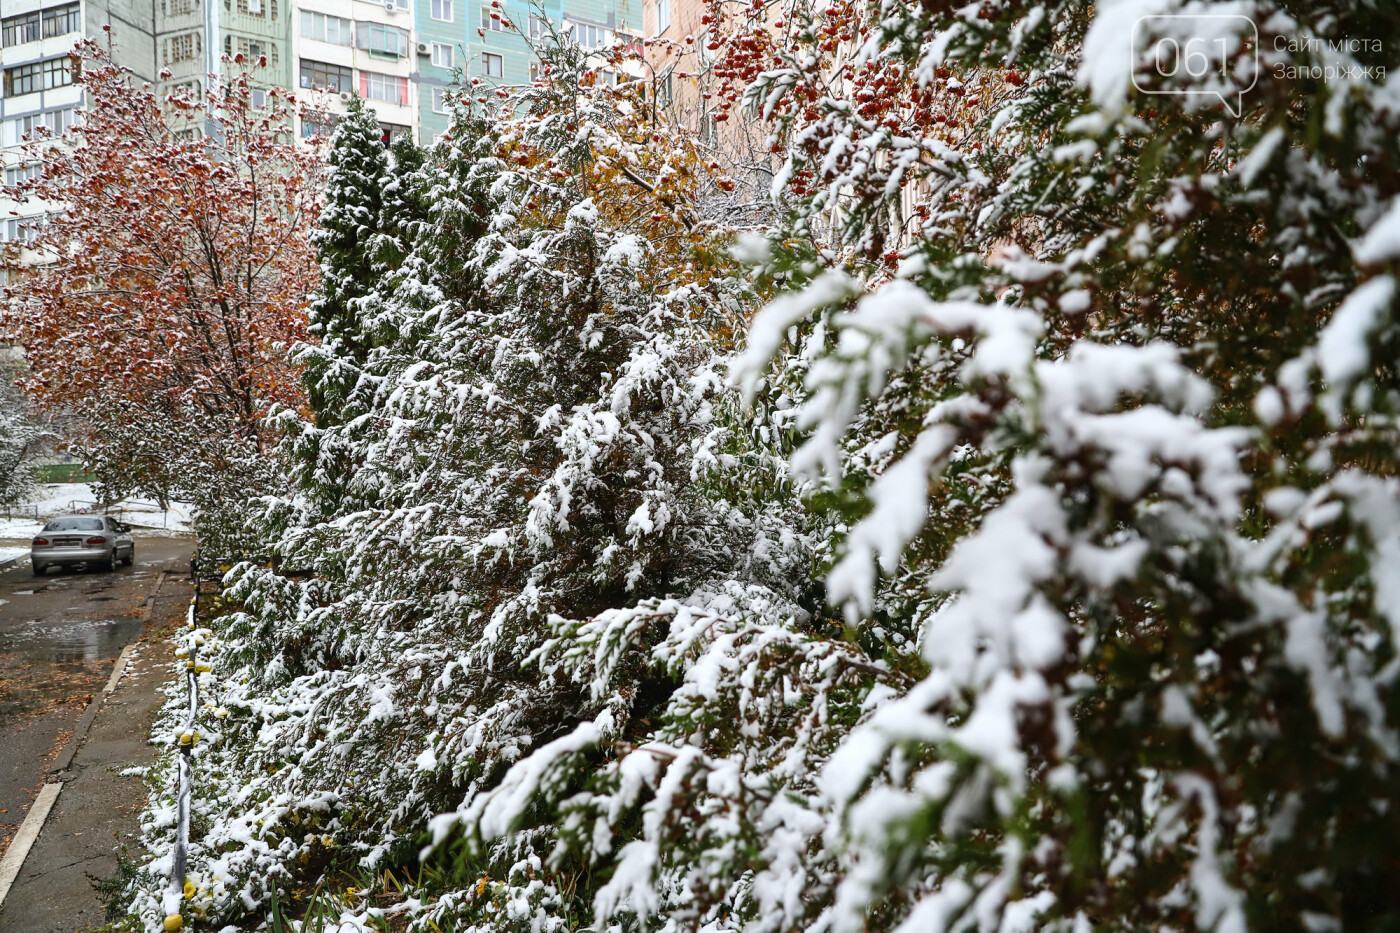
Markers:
point(23, 521)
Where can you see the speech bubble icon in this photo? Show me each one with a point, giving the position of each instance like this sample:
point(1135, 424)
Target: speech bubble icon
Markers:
point(1214, 55)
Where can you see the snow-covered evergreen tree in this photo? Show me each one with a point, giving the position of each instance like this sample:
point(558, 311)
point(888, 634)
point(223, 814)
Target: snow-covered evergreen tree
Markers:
point(20, 440)
point(540, 433)
point(1160, 686)
point(348, 245)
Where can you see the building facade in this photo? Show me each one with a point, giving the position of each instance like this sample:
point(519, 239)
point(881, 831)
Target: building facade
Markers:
point(441, 56)
point(39, 89)
point(681, 67)
point(681, 70)
point(501, 56)
point(402, 56)
point(346, 48)
point(193, 36)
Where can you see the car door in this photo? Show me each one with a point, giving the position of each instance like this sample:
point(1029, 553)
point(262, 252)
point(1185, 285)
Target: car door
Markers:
point(124, 541)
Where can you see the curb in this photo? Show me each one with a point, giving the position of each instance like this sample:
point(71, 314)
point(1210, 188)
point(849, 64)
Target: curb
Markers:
point(24, 839)
point(65, 757)
point(118, 669)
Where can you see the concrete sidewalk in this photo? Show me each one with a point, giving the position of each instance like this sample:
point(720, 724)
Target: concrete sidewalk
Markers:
point(97, 811)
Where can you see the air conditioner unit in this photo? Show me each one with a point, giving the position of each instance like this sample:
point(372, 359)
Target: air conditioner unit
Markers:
point(423, 49)
point(346, 96)
point(391, 6)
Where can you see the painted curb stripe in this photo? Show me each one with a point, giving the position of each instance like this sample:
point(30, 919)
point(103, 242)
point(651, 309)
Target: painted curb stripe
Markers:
point(24, 839)
point(119, 668)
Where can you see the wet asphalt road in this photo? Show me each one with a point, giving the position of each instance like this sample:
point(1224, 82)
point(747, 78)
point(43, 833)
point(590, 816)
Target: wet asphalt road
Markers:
point(59, 636)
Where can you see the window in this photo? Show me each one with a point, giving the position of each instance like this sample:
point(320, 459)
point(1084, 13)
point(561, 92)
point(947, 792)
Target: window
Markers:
point(181, 48)
point(663, 15)
point(590, 36)
point(322, 75)
point(442, 11)
point(664, 94)
point(491, 20)
point(443, 56)
point(23, 79)
point(379, 39)
point(392, 131)
point(259, 98)
point(16, 174)
point(179, 7)
point(74, 524)
point(17, 29)
point(318, 123)
point(58, 72)
point(610, 78)
point(493, 66)
point(388, 88)
point(59, 121)
point(24, 229)
point(539, 27)
point(325, 28)
point(250, 49)
point(19, 127)
point(439, 100)
point(62, 20)
point(37, 76)
point(259, 8)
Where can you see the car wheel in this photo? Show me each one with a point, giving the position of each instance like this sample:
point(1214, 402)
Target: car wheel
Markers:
point(40, 569)
point(130, 557)
point(112, 562)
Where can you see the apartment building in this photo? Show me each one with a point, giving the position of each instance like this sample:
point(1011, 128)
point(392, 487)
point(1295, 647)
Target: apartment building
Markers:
point(356, 47)
point(192, 36)
point(441, 53)
point(38, 88)
point(500, 56)
point(401, 56)
point(679, 69)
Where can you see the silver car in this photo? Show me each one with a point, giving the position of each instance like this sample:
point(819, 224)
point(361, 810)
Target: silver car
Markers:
point(95, 540)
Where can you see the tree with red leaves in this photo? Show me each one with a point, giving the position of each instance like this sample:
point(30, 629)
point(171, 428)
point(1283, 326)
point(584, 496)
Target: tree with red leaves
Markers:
point(165, 289)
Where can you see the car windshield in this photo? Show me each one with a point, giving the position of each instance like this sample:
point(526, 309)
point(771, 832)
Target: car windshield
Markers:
point(74, 524)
